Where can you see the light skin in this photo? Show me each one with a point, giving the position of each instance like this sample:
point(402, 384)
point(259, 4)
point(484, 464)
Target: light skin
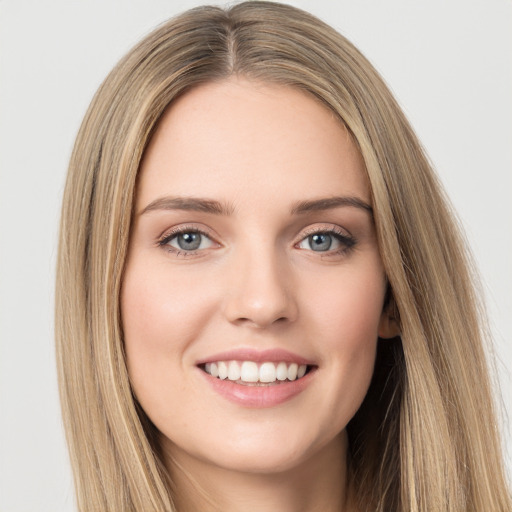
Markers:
point(270, 188)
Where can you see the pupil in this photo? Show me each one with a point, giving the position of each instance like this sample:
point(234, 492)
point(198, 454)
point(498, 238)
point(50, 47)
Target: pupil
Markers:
point(189, 241)
point(320, 242)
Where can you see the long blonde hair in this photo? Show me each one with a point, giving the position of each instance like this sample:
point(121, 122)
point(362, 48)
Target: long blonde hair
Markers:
point(425, 439)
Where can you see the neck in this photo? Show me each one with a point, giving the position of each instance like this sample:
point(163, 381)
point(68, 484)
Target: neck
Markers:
point(318, 483)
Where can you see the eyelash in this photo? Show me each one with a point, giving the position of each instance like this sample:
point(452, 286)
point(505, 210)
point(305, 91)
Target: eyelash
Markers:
point(164, 241)
point(347, 242)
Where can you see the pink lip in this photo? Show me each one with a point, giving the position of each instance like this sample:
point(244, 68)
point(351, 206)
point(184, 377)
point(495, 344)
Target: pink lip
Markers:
point(258, 356)
point(258, 396)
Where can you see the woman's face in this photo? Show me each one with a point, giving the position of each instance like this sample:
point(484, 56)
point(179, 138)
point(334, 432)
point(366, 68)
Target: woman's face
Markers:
point(252, 260)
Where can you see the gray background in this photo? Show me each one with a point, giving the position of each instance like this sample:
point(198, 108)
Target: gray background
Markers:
point(448, 62)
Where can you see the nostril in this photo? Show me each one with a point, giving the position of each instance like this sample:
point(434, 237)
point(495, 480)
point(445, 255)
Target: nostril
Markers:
point(260, 298)
point(261, 321)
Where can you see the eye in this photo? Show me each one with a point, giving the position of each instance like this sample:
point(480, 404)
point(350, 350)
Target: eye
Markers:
point(327, 241)
point(188, 240)
point(318, 242)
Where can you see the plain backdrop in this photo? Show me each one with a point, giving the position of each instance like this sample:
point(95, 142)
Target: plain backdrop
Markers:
point(448, 62)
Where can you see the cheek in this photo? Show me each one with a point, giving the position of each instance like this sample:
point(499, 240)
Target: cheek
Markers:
point(142, 311)
point(160, 310)
point(348, 307)
point(346, 317)
point(159, 317)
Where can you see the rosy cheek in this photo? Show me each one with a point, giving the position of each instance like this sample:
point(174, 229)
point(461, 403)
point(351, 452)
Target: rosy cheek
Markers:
point(163, 311)
point(147, 300)
point(351, 304)
point(142, 318)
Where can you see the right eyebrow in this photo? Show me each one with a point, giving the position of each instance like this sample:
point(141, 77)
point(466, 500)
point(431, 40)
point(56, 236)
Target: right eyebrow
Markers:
point(329, 203)
point(197, 204)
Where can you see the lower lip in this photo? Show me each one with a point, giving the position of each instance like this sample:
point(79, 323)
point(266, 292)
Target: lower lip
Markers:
point(259, 396)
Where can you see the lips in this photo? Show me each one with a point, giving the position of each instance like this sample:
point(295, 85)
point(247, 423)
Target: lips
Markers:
point(257, 378)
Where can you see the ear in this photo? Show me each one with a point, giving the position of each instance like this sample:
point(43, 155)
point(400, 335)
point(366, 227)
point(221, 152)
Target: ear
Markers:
point(389, 325)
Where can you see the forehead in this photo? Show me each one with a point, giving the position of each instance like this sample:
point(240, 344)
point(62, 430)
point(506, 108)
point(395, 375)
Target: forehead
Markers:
point(240, 138)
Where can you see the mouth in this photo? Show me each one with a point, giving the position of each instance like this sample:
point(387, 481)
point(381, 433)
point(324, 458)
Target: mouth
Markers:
point(258, 378)
point(252, 373)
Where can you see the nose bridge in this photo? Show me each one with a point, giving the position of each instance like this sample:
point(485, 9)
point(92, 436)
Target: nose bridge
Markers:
point(260, 291)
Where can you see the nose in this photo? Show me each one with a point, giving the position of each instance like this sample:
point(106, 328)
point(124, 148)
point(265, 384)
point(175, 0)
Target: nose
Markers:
point(260, 292)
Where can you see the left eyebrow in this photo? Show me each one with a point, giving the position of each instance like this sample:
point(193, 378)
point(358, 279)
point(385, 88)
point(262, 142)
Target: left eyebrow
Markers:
point(188, 203)
point(329, 203)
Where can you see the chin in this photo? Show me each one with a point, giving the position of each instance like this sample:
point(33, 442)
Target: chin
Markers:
point(261, 463)
point(271, 458)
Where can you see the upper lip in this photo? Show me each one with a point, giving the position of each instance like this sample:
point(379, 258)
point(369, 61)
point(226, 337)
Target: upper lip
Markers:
point(258, 356)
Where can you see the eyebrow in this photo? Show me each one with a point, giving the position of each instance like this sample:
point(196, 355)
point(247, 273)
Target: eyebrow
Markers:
point(188, 203)
point(217, 208)
point(329, 203)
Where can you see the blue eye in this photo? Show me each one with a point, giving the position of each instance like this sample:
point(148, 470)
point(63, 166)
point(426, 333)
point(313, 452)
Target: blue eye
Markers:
point(325, 241)
point(188, 241)
point(320, 242)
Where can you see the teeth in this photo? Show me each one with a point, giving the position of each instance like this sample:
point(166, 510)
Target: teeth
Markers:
point(292, 371)
point(233, 370)
point(282, 371)
point(301, 371)
point(249, 371)
point(267, 372)
point(223, 370)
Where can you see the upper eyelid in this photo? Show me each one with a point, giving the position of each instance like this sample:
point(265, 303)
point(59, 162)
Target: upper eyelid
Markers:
point(176, 230)
point(325, 228)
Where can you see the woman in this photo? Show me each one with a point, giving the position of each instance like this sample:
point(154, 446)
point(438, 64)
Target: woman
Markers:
point(274, 307)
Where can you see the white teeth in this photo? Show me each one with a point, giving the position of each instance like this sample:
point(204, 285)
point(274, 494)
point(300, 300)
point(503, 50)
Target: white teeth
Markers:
point(267, 372)
point(282, 371)
point(223, 370)
point(233, 370)
point(292, 371)
point(251, 372)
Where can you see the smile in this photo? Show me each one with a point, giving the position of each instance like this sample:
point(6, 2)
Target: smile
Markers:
point(257, 378)
point(251, 373)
